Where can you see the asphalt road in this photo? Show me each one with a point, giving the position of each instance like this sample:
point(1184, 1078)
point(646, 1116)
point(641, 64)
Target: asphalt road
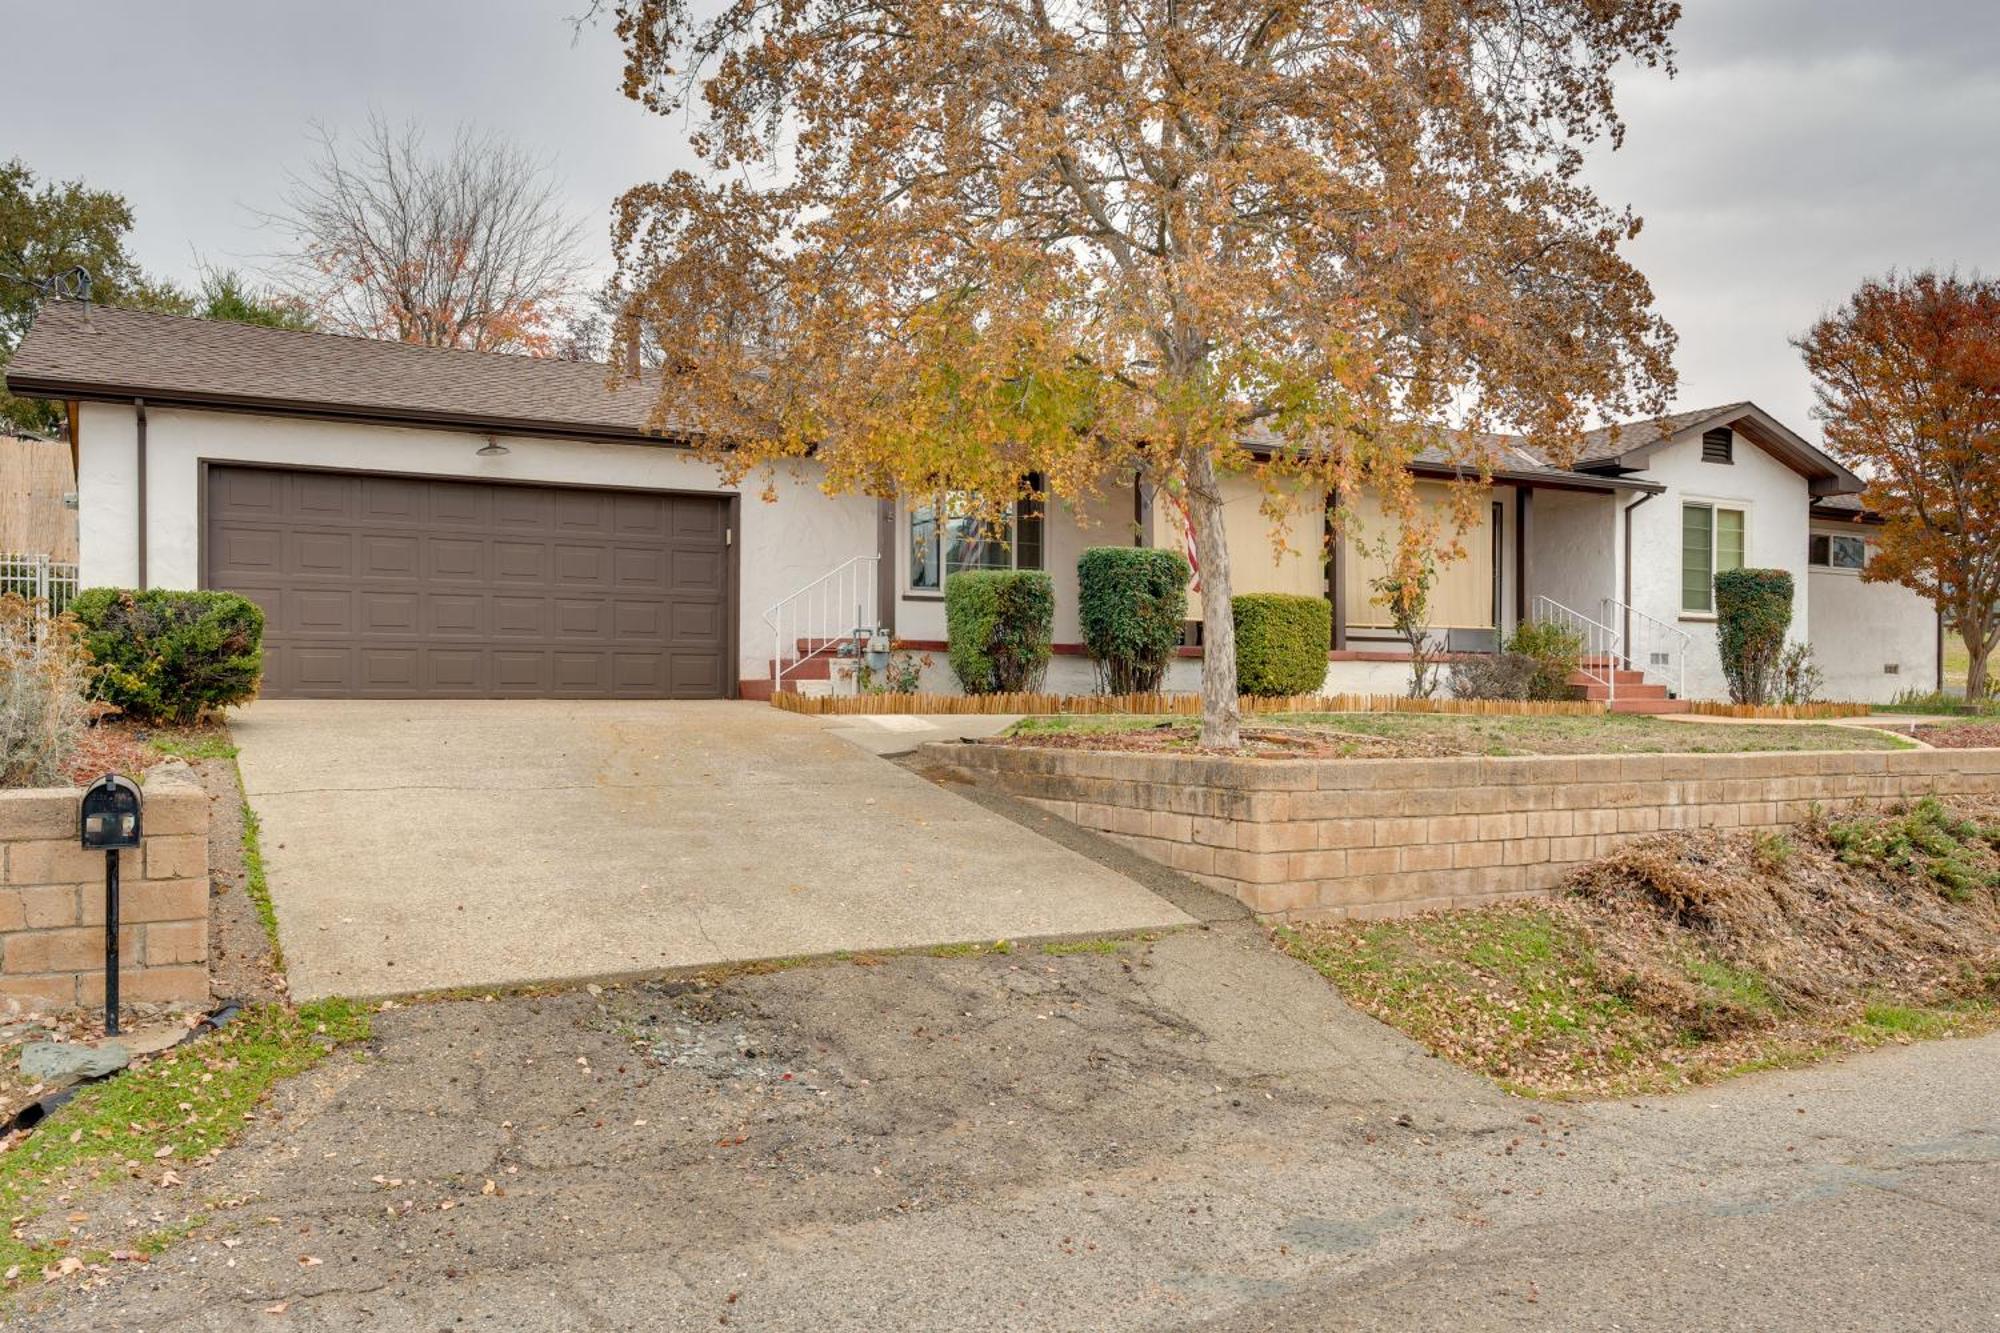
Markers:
point(1194, 1133)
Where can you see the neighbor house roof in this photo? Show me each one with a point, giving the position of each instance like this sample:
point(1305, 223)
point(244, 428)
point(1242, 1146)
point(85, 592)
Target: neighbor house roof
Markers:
point(80, 350)
point(1847, 508)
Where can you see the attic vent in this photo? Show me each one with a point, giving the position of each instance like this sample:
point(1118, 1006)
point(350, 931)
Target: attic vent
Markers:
point(1718, 445)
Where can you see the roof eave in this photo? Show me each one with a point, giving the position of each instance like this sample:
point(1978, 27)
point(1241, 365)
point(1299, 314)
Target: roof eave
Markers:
point(31, 386)
point(1824, 476)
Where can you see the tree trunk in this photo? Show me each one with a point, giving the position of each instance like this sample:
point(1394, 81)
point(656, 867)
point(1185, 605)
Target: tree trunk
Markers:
point(1219, 716)
point(1977, 649)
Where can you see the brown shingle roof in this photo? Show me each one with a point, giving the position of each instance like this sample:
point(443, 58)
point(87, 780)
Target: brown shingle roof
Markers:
point(1610, 442)
point(97, 351)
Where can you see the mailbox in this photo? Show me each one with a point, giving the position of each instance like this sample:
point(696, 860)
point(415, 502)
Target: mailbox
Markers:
point(110, 819)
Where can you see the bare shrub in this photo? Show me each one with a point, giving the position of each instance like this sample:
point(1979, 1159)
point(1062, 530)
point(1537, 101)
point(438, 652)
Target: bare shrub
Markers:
point(1493, 676)
point(45, 678)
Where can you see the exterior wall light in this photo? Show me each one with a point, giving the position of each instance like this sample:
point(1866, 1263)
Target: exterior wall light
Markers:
point(491, 449)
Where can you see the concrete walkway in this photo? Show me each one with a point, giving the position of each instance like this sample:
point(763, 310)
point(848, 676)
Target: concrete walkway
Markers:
point(417, 845)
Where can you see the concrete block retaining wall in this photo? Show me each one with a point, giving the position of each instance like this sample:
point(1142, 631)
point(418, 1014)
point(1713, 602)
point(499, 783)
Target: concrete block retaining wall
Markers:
point(52, 900)
point(1305, 838)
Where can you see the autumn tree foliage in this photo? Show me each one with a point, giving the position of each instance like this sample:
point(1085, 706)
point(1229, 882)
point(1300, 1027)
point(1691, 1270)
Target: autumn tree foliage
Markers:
point(949, 244)
point(1907, 373)
point(466, 248)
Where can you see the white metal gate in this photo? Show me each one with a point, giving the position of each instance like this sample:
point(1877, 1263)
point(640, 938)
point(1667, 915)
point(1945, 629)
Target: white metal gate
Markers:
point(39, 579)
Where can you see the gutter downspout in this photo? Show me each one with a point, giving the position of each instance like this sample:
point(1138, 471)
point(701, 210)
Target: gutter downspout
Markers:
point(1625, 629)
point(139, 404)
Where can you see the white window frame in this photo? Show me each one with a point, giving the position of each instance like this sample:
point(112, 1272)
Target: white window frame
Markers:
point(938, 504)
point(1831, 538)
point(1713, 506)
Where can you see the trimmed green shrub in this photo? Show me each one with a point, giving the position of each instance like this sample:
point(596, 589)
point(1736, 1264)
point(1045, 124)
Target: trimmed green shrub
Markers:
point(1281, 643)
point(1133, 605)
point(1000, 623)
point(1557, 651)
point(1753, 609)
point(169, 656)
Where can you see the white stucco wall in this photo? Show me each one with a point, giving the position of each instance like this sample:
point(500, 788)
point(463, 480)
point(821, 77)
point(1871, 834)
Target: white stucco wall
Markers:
point(1859, 630)
point(784, 543)
point(1573, 549)
point(1774, 500)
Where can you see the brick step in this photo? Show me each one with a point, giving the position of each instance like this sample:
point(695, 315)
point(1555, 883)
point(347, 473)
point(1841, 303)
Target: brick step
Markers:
point(1623, 705)
point(813, 668)
point(804, 646)
point(1622, 676)
point(1625, 691)
point(754, 689)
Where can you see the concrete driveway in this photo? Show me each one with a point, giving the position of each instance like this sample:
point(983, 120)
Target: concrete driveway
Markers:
point(416, 845)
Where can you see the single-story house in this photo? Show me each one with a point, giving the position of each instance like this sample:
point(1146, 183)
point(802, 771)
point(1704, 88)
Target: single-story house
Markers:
point(427, 522)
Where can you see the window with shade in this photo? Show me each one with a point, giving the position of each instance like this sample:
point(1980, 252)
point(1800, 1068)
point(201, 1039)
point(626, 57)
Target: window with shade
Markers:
point(1711, 542)
point(947, 537)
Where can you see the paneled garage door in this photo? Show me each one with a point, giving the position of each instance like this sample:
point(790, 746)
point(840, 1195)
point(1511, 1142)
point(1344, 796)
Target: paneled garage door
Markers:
point(395, 587)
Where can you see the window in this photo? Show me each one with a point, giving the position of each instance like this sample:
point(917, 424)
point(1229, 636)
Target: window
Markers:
point(946, 539)
point(1718, 445)
point(1827, 551)
point(1711, 542)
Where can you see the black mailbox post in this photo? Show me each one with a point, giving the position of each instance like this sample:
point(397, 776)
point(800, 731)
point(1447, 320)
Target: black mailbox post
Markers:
point(110, 821)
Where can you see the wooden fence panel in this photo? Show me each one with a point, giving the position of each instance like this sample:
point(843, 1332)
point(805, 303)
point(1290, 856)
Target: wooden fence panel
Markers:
point(34, 477)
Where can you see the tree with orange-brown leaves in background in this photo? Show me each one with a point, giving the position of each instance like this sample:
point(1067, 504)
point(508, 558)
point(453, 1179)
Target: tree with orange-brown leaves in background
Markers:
point(466, 248)
point(944, 245)
point(1907, 373)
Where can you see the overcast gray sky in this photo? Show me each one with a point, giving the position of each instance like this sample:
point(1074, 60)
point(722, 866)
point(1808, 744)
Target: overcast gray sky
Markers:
point(1805, 143)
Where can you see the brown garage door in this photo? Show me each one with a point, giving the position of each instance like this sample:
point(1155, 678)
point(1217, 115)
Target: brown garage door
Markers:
point(393, 587)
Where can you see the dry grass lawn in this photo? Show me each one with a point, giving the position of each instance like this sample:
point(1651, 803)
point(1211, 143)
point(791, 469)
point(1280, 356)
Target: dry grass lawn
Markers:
point(1424, 735)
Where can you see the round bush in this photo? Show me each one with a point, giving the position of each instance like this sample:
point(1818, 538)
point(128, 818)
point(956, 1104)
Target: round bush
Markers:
point(169, 655)
point(1000, 624)
point(1281, 643)
point(1557, 652)
point(1753, 610)
point(1132, 601)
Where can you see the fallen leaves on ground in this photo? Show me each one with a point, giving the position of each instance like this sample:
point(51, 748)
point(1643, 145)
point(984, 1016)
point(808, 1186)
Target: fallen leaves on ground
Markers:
point(1690, 956)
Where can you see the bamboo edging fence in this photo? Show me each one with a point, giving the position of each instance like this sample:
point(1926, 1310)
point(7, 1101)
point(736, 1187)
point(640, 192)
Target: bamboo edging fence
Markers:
point(1174, 705)
point(1778, 712)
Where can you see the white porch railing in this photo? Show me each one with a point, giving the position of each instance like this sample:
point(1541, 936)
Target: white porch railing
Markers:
point(39, 579)
point(821, 618)
point(1601, 646)
point(1651, 645)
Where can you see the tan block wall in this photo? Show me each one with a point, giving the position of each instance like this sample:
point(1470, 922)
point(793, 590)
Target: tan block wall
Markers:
point(52, 900)
point(1300, 839)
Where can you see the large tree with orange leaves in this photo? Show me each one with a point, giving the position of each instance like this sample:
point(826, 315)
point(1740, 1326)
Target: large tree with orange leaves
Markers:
point(467, 247)
point(1907, 373)
point(944, 244)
